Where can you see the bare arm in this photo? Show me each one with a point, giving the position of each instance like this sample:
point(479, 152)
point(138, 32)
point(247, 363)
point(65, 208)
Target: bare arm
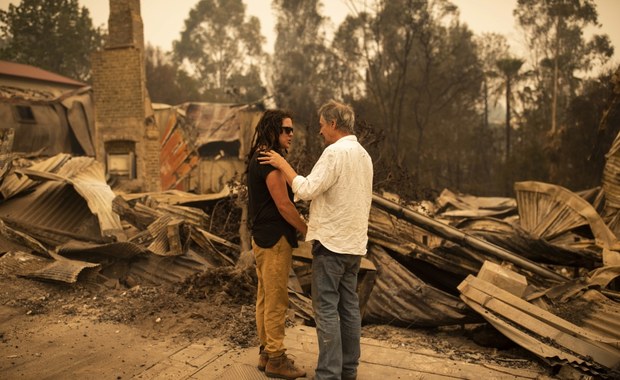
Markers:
point(277, 188)
point(274, 159)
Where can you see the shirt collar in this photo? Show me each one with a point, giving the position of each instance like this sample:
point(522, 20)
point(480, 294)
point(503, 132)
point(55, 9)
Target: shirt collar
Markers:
point(347, 138)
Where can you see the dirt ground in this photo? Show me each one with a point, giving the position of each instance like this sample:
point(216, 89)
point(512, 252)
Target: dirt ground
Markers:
point(80, 327)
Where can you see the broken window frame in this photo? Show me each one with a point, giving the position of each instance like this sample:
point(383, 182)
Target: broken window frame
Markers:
point(23, 114)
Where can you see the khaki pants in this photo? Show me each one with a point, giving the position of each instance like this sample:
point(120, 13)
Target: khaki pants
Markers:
point(272, 268)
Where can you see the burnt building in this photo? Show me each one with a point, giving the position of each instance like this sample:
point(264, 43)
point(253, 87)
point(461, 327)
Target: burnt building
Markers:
point(43, 113)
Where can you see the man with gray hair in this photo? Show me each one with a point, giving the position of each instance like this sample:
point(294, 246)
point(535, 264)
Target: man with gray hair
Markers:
point(340, 188)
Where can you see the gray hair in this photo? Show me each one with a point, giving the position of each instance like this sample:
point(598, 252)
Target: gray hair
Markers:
point(341, 113)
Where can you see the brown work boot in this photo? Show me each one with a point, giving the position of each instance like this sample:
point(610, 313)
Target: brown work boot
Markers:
point(282, 367)
point(263, 357)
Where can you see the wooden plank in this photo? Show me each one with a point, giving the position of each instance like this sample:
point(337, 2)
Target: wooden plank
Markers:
point(209, 236)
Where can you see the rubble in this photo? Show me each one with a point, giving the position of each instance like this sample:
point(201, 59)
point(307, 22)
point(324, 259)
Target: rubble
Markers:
point(526, 265)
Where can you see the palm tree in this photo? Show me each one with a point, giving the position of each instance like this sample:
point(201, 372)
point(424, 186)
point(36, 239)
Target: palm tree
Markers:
point(509, 68)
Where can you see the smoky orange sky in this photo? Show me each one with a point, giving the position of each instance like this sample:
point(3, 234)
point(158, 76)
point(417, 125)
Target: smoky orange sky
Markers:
point(164, 19)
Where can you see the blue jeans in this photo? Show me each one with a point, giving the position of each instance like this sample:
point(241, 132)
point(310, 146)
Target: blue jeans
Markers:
point(336, 312)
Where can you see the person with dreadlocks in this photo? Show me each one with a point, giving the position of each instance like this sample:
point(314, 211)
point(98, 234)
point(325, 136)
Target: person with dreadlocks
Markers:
point(274, 219)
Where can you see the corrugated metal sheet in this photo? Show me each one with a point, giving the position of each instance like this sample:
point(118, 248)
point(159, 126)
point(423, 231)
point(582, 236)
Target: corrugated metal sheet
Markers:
point(64, 270)
point(191, 126)
point(548, 211)
point(401, 298)
point(53, 213)
point(510, 236)
point(15, 183)
point(214, 121)
point(159, 270)
point(67, 211)
point(81, 117)
point(214, 175)
point(545, 332)
point(19, 262)
point(88, 178)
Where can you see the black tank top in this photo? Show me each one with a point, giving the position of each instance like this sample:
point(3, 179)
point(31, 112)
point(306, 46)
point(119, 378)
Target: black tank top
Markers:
point(266, 222)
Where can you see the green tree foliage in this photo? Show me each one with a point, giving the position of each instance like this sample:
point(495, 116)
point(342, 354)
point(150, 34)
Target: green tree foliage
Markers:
point(223, 50)
point(55, 35)
point(166, 82)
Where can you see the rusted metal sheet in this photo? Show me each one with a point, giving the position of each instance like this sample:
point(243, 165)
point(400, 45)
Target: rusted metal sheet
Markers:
point(204, 144)
point(214, 121)
point(178, 155)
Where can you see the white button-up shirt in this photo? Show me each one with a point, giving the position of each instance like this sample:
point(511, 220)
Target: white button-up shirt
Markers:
point(340, 188)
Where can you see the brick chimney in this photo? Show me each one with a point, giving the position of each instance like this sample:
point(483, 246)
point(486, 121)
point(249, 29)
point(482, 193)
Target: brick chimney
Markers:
point(127, 138)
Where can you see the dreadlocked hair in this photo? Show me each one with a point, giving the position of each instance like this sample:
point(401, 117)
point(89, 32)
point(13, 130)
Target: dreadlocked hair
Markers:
point(267, 132)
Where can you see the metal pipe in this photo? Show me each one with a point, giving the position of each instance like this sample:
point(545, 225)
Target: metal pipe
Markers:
point(455, 235)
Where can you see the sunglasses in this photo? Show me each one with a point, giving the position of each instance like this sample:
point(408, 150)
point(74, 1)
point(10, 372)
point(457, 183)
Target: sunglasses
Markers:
point(287, 130)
